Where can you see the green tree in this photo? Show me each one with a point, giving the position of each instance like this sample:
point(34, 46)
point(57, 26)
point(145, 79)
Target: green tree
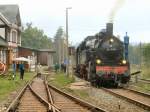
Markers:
point(134, 54)
point(58, 45)
point(146, 54)
point(35, 38)
point(59, 33)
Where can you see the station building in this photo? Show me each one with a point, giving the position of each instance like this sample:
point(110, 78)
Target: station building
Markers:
point(10, 40)
point(10, 32)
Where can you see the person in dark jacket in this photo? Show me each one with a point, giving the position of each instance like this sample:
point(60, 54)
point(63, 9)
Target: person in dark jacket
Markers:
point(56, 67)
point(21, 69)
point(14, 69)
point(62, 66)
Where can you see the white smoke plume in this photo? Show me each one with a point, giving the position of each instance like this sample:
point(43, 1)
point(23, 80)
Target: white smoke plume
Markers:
point(117, 6)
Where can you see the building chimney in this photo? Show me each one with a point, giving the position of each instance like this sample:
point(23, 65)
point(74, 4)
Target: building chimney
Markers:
point(109, 29)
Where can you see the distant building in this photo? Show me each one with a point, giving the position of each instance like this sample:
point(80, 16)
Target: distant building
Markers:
point(45, 57)
point(31, 54)
point(42, 56)
point(10, 32)
point(3, 49)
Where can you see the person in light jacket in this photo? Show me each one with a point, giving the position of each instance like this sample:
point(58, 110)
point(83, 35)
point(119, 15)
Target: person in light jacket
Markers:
point(39, 70)
point(21, 69)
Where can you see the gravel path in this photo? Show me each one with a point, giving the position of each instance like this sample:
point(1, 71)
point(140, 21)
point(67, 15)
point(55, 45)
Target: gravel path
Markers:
point(132, 95)
point(112, 103)
point(107, 101)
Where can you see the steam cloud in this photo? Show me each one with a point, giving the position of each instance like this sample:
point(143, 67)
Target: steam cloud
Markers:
point(114, 10)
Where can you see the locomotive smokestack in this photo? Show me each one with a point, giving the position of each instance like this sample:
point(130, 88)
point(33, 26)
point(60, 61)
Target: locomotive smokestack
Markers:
point(109, 29)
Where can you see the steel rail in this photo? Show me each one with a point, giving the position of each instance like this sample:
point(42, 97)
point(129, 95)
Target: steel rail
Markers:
point(136, 102)
point(144, 81)
point(51, 107)
point(15, 101)
point(50, 99)
point(40, 98)
point(91, 107)
point(138, 92)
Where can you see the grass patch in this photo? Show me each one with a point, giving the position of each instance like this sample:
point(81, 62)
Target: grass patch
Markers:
point(145, 71)
point(81, 93)
point(142, 87)
point(61, 81)
point(8, 85)
point(77, 92)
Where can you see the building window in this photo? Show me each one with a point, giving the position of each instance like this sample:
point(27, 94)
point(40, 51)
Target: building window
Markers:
point(3, 56)
point(2, 32)
point(8, 37)
point(14, 36)
point(18, 38)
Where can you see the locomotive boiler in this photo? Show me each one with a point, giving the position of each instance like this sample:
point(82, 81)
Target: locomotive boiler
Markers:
point(103, 58)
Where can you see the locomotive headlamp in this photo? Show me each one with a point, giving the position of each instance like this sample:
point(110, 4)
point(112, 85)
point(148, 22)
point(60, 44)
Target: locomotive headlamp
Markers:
point(98, 61)
point(124, 61)
point(111, 40)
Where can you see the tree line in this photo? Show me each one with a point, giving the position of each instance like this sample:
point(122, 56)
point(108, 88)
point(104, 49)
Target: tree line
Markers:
point(34, 37)
point(140, 54)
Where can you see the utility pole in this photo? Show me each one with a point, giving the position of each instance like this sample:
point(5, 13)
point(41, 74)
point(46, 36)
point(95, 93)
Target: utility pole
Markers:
point(67, 50)
point(59, 51)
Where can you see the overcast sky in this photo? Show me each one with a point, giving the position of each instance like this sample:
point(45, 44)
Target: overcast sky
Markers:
point(87, 17)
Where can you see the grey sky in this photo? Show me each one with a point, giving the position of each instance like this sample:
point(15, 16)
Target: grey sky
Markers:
point(87, 17)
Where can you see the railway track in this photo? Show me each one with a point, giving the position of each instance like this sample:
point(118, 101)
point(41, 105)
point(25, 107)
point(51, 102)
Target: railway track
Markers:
point(136, 97)
point(28, 101)
point(69, 103)
point(38, 96)
point(145, 81)
point(33, 98)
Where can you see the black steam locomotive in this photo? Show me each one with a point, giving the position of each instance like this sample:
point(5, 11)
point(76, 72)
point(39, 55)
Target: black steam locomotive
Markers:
point(103, 59)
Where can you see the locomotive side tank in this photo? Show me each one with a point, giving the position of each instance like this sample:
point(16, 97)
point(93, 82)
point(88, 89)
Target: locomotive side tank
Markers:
point(102, 59)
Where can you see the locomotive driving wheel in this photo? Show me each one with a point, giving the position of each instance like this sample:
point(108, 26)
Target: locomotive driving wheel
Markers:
point(91, 75)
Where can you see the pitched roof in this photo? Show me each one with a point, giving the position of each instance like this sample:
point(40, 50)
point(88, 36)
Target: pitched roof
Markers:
point(11, 12)
point(41, 50)
point(47, 50)
point(3, 42)
point(28, 48)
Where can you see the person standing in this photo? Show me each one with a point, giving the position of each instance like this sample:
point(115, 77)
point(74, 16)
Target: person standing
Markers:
point(38, 70)
point(14, 69)
point(56, 67)
point(21, 69)
point(62, 66)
